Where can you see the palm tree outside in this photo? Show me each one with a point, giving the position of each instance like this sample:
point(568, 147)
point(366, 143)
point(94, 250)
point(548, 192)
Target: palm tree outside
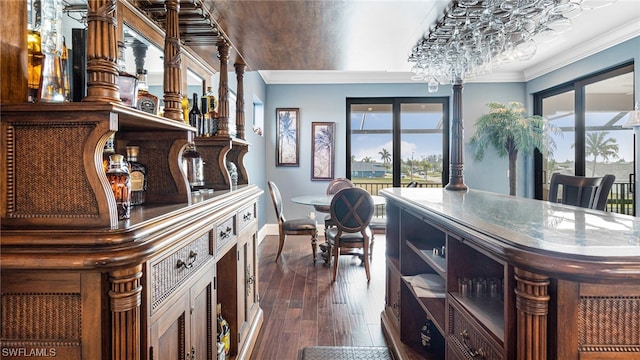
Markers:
point(385, 156)
point(597, 145)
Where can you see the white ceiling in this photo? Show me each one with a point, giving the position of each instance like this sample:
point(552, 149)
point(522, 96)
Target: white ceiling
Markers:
point(382, 33)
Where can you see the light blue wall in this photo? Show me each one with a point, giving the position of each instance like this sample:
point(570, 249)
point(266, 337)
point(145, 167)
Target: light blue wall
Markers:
point(328, 103)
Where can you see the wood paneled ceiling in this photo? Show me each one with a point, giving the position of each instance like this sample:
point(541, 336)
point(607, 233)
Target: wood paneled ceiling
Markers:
point(351, 35)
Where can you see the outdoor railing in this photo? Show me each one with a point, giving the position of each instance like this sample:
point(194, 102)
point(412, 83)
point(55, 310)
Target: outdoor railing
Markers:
point(620, 197)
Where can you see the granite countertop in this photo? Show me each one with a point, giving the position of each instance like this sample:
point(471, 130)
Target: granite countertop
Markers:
point(528, 223)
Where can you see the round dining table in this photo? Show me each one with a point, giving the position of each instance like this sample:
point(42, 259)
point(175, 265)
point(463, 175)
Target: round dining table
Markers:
point(325, 200)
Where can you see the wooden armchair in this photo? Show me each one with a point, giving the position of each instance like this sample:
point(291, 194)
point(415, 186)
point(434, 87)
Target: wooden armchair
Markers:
point(587, 192)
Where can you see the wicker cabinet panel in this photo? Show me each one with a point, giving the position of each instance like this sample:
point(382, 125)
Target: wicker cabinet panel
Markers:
point(172, 270)
point(226, 233)
point(468, 338)
point(246, 216)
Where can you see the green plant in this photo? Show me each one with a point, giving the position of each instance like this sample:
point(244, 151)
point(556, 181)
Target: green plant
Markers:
point(509, 131)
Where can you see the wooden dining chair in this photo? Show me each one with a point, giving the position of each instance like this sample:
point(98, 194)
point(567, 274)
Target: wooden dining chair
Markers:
point(333, 187)
point(351, 210)
point(587, 192)
point(302, 226)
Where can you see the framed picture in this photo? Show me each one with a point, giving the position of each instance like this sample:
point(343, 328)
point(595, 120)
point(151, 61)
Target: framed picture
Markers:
point(322, 151)
point(287, 137)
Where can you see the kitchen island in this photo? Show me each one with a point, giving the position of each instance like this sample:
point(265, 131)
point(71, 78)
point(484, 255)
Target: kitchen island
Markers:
point(521, 278)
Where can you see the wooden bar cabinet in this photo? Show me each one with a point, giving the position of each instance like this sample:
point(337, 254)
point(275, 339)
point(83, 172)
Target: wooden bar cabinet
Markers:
point(75, 281)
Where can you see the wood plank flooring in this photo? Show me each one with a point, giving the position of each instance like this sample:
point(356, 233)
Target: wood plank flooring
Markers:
point(302, 307)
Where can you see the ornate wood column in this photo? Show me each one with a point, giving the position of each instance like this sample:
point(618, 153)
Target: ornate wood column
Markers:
point(102, 51)
point(172, 59)
point(223, 90)
point(532, 304)
point(126, 296)
point(240, 68)
point(456, 180)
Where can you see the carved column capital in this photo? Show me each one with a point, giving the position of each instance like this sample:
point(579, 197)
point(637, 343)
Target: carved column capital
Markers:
point(125, 297)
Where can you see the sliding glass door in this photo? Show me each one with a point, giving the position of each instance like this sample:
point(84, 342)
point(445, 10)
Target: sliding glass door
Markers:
point(591, 113)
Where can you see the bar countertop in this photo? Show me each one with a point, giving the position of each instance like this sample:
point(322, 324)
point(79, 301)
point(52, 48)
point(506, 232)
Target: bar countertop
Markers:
point(524, 229)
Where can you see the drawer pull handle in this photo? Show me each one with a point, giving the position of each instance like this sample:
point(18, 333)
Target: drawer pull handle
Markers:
point(190, 261)
point(225, 234)
point(247, 216)
point(192, 354)
point(464, 334)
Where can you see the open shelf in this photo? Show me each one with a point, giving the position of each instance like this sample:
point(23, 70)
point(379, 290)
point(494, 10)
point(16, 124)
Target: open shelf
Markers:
point(433, 307)
point(425, 252)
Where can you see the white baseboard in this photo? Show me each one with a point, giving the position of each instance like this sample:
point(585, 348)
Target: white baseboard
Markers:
point(272, 229)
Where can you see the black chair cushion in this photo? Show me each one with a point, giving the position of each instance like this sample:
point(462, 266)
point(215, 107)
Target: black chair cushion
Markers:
point(346, 237)
point(299, 224)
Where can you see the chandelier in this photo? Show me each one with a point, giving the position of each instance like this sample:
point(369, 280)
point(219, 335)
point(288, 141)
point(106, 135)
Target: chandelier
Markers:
point(475, 36)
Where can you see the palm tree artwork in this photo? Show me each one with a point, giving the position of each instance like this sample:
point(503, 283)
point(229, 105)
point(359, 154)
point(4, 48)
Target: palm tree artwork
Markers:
point(323, 150)
point(287, 137)
point(510, 132)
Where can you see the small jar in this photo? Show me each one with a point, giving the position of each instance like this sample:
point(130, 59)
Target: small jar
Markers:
point(120, 180)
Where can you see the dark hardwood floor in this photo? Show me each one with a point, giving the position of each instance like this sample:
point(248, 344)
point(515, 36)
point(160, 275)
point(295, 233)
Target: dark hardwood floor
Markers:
point(302, 307)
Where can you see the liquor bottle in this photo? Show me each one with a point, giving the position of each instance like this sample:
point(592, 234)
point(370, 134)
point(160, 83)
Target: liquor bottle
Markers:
point(223, 331)
point(195, 116)
point(138, 173)
point(120, 180)
point(204, 124)
point(64, 63)
point(212, 102)
point(193, 166)
point(127, 83)
point(211, 115)
point(147, 102)
point(184, 103)
point(34, 64)
point(109, 149)
point(52, 86)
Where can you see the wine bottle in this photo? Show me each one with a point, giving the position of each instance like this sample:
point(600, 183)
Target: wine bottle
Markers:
point(195, 116)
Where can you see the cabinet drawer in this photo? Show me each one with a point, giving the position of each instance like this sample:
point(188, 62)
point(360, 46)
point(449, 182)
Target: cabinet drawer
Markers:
point(246, 216)
point(225, 233)
point(169, 272)
point(468, 337)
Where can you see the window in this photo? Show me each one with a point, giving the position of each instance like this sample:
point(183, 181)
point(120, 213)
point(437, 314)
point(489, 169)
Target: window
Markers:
point(393, 141)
